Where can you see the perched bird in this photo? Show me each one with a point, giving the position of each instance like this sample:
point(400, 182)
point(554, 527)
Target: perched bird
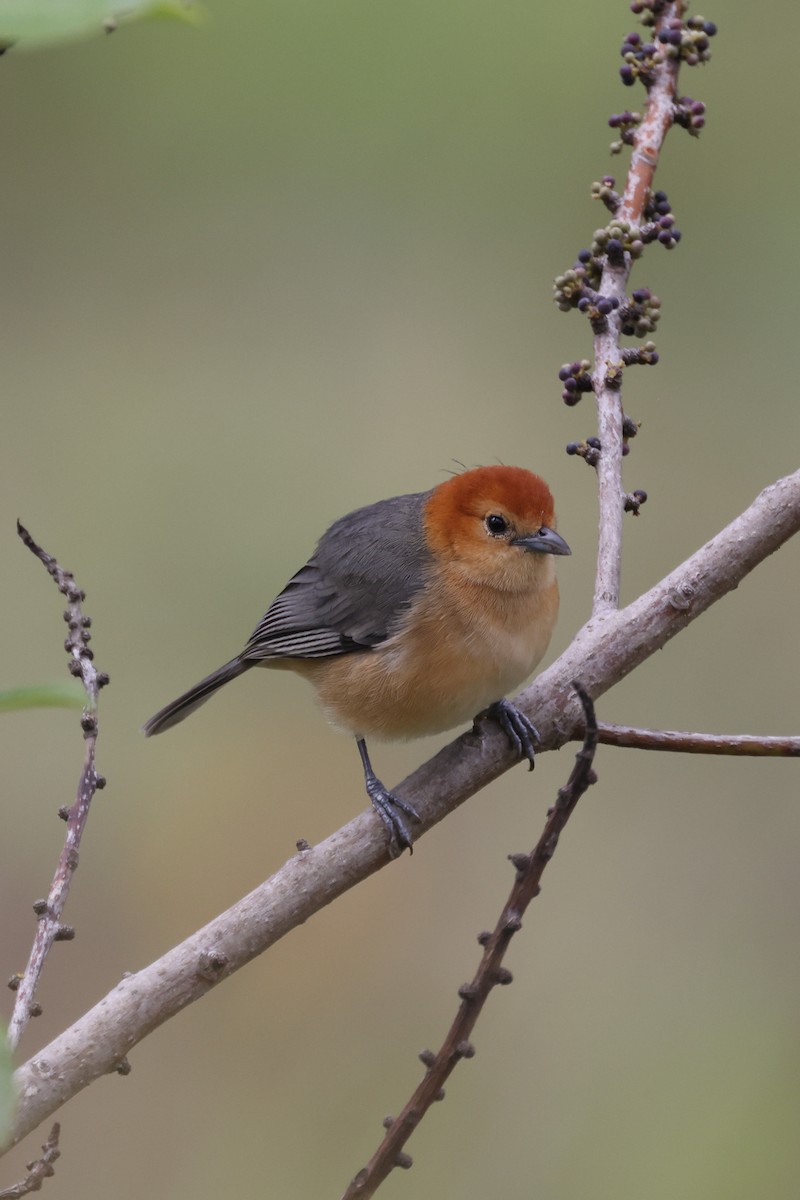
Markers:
point(414, 614)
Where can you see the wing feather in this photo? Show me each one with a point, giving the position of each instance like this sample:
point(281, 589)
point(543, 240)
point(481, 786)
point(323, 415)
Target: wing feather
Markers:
point(349, 597)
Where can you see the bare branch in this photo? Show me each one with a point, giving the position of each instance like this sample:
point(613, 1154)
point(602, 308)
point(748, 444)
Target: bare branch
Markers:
point(490, 973)
point(603, 652)
point(739, 745)
point(49, 911)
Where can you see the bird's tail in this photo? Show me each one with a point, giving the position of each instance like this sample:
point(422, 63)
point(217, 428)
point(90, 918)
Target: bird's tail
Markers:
point(172, 713)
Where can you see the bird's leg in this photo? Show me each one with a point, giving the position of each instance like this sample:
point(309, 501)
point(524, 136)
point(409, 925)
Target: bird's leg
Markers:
point(388, 807)
point(520, 731)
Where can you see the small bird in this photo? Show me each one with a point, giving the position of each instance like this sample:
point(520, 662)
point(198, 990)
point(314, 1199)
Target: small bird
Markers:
point(414, 614)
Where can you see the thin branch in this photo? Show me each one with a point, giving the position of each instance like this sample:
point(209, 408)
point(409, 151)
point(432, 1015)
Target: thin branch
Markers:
point(490, 973)
point(49, 911)
point(602, 653)
point(38, 1170)
point(698, 743)
point(648, 141)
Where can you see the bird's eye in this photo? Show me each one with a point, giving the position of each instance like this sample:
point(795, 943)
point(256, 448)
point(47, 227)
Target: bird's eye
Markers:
point(496, 524)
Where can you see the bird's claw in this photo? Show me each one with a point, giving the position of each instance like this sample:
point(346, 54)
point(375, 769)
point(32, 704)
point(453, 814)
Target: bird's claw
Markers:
point(519, 729)
point(389, 808)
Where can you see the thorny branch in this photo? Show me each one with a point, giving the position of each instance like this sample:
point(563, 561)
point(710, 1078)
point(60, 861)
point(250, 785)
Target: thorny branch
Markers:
point(49, 911)
point(491, 972)
point(40, 1169)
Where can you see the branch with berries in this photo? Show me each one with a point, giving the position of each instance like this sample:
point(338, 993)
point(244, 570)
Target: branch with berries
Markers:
point(596, 284)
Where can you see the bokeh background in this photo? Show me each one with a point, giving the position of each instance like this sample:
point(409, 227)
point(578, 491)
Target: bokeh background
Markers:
point(262, 272)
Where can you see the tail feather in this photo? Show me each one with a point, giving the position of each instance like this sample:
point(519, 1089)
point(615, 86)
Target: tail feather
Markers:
point(175, 712)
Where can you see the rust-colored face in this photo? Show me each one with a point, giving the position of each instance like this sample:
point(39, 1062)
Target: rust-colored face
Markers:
point(497, 524)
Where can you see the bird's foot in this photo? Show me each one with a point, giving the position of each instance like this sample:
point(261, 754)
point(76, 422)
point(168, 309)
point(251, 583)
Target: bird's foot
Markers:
point(520, 731)
point(390, 808)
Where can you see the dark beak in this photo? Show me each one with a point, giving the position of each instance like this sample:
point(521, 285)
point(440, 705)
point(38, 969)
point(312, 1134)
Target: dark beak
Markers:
point(546, 541)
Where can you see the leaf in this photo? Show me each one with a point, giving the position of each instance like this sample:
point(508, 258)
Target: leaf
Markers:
point(67, 694)
point(31, 24)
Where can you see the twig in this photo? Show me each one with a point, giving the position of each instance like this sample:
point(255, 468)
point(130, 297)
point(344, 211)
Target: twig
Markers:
point(39, 1170)
point(698, 743)
point(648, 140)
point(602, 653)
point(49, 911)
point(456, 1045)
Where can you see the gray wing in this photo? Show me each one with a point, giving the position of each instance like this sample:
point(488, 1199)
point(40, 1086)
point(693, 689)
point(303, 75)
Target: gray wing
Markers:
point(349, 596)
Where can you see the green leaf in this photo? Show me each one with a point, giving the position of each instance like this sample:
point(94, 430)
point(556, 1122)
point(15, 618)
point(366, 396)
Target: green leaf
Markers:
point(67, 694)
point(30, 24)
point(6, 1089)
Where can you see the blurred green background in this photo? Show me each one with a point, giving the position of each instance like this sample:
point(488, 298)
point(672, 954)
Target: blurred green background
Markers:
point(257, 274)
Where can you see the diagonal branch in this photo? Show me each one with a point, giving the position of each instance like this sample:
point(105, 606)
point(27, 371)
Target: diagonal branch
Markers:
point(603, 652)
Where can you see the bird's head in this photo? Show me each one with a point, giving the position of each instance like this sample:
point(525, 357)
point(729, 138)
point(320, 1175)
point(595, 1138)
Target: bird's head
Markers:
point(496, 526)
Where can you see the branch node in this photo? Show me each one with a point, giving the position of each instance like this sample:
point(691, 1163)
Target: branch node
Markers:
point(513, 922)
point(212, 964)
point(681, 597)
point(521, 862)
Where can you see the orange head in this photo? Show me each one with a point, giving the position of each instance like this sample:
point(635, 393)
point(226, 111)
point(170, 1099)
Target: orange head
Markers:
point(496, 526)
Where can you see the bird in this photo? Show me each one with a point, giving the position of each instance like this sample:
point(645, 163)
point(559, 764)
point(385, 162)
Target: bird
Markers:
point(413, 615)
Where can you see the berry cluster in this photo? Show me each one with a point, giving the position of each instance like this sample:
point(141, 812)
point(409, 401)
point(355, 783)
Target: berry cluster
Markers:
point(626, 122)
point(617, 239)
point(690, 114)
point(604, 190)
point(589, 451)
point(640, 356)
point(687, 40)
point(640, 314)
point(577, 379)
point(641, 59)
point(660, 222)
point(634, 501)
